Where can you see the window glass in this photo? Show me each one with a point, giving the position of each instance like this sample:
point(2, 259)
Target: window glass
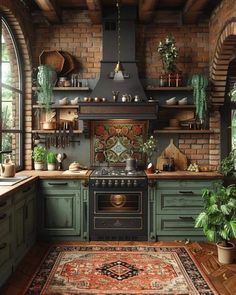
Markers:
point(11, 133)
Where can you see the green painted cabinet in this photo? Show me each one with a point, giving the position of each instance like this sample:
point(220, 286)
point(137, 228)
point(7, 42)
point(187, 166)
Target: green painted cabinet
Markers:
point(62, 206)
point(24, 202)
point(6, 237)
point(174, 206)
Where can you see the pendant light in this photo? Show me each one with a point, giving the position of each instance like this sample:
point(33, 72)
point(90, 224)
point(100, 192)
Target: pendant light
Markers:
point(119, 70)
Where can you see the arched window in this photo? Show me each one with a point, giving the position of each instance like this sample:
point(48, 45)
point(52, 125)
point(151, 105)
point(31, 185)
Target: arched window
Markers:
point(11, 102)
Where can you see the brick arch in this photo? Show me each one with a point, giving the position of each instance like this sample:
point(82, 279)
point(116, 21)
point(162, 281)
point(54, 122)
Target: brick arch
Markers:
point(13, 12)
point(225, 50)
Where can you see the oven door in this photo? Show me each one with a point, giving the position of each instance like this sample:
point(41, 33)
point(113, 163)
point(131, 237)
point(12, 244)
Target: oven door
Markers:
point(121, 202)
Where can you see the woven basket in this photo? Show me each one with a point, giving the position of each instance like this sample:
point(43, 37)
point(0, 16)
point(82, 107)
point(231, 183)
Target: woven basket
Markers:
point(69, 64)
point(53, 58)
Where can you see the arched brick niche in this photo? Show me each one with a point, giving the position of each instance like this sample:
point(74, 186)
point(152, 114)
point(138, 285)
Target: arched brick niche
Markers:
point(13, 12)
point(225, 50)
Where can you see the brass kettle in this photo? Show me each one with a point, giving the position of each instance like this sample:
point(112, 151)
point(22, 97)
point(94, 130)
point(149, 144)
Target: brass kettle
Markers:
point(8, 168)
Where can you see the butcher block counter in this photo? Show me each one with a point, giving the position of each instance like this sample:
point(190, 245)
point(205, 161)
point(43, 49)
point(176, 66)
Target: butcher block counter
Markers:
point(35, 175)
point(184, 175)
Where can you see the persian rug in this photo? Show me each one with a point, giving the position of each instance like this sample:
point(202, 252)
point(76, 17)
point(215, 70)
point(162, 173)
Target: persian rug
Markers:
point(119, 270)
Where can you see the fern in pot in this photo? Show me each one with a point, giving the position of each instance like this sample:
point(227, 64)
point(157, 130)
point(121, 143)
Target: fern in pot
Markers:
point(218, 220)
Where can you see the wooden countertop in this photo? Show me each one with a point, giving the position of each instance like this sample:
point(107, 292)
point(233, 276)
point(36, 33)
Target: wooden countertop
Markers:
point(185, 175)
point(34, 175)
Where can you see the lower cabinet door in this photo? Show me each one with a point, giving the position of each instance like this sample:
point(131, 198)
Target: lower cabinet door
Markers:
point(60, 214)
point(30, 220)
point(177, 225)
point(6, 258)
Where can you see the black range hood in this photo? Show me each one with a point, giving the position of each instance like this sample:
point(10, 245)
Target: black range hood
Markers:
point(131, 85)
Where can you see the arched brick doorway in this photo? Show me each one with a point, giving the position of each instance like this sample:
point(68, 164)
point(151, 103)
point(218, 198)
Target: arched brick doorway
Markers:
point(225, 50)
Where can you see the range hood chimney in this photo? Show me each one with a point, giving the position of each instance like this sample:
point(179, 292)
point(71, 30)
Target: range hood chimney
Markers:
point(131, 84)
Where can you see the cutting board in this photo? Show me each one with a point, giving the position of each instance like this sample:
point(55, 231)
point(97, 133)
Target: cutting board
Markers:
point(77, 172)
point(171, 151)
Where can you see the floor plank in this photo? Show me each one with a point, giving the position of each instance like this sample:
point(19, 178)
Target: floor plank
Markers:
point(222, 277)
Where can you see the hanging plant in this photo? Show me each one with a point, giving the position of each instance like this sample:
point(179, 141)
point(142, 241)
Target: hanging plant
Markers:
point(199, 83)
point(168, 54)
point(45, 83)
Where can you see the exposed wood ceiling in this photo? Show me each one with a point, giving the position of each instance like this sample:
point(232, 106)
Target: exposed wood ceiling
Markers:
point(190, 10)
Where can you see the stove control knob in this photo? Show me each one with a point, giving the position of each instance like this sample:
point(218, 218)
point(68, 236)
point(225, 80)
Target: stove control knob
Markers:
point(129, 183)
point(135, 183)
point(122, 183)
point(96, 183)
point(116, 183)
point(109, 183)
point(103, 183)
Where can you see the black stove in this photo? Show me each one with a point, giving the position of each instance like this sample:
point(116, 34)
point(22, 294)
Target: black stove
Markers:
point(118, 204)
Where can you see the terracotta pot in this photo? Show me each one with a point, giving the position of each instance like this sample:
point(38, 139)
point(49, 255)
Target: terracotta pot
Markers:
point(38, 165)
point(226, 254)
point(49, 125)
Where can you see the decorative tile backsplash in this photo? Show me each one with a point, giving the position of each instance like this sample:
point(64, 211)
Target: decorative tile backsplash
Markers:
point(114, 141)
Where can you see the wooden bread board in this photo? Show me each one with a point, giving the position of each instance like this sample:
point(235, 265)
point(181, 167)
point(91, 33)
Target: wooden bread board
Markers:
point(171, 151)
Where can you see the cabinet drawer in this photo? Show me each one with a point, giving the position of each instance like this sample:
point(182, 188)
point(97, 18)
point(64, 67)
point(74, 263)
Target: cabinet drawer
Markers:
point(186, 184)
point(56, 184)
point(5, 203)
point(29, 189)
point(5, 223)
point(5, 250)
point(179, 201)
point(177, 225)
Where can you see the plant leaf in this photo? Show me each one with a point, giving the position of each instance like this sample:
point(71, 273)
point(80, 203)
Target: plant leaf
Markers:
point(211, 235)
point(233, 228)
point(201, 220)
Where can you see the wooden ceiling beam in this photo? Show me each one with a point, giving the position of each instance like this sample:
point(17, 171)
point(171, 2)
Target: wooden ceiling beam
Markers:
point(50, 10)
point(193, 10)
point(95, 11)
point(147, 10)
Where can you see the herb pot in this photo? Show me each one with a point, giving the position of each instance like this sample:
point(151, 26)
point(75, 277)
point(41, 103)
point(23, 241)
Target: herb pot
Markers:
point(38, 165)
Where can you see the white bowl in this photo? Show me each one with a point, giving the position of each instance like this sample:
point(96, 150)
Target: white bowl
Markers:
point(183, 100)
point(75, 101)
point(63, 101)
point(171, 101)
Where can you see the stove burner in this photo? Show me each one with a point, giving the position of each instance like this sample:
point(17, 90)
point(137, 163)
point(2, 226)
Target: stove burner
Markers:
point(116, 171)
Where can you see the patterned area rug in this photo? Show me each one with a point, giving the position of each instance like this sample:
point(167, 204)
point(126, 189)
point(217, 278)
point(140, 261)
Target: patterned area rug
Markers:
point(119, 270)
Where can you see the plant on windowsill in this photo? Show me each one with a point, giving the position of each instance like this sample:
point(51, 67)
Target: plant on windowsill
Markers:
point(39, 156)
point(218, 220)
point(226, 166)
point(51, 161)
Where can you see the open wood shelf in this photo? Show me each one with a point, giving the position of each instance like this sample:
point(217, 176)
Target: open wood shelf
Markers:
point(57, 106)
point(68, 88)
point(184, 131)
point(55, 131)
point(158, 88)
point(177, 106)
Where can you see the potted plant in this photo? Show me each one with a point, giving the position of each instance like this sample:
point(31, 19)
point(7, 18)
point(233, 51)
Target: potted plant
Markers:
point(51, 161)
point(148, 147)
point(168, 54)
point(39, 156)
point(199, 83)
point(218, 220)
point(46, 79)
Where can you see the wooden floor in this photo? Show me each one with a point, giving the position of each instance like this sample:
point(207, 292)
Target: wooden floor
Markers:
point(223, 277)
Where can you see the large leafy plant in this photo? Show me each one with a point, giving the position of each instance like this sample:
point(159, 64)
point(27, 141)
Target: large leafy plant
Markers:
point(218, 220)
point(168, 53)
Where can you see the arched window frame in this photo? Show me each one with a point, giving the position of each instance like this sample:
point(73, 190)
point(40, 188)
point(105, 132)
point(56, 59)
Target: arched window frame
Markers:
point(20, 130)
